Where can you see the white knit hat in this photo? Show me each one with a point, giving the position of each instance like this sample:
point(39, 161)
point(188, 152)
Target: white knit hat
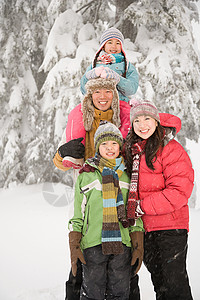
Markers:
point(111, 33)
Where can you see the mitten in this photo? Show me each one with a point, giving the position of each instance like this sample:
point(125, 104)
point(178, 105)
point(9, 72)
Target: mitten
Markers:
point(87, 168)
point(57, 160)
point(73, 148)
point(137, 241)
point(110, 74)
point(71, 162)
point(138, 210)
point(125, 223)
point(94, 73)
point(75, 250)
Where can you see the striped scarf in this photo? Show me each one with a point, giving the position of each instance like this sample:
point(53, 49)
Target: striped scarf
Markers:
point(107, 58)
point(137, 151)
point(113, 204)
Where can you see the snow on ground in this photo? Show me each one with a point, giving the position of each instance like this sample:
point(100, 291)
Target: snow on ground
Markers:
point(34, 254)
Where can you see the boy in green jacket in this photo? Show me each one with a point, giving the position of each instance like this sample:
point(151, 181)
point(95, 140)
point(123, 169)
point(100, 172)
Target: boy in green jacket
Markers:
point(99, 226)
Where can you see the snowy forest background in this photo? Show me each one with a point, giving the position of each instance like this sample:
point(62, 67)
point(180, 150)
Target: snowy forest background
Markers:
point(46, 46)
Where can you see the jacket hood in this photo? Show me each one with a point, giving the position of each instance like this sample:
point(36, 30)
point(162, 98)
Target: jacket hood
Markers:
point(171, 124)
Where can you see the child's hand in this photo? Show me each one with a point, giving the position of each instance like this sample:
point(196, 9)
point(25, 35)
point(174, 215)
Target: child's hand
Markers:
point(137, 241)
point(110, 74)
point(75, 250)
point(99, 70)
point(94, 73)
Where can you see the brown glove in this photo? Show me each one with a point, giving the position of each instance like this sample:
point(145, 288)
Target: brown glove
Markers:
point(137, 240)
point(75, 250)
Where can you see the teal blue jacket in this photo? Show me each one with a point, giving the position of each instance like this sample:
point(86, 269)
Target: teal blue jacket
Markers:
point(126, 86)
point(88, 209)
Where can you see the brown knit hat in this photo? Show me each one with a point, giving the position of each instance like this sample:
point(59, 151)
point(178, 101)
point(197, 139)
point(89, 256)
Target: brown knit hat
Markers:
point(87, 104)
point(143, 108)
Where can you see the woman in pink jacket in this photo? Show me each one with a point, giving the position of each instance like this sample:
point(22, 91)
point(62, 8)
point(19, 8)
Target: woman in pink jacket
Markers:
point(161, 183)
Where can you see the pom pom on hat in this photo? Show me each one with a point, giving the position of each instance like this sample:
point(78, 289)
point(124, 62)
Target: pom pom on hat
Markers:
point(107, 132)
point(143, 108)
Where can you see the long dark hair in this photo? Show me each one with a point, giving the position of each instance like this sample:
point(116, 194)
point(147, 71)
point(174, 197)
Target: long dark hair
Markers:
point(125, 61)
point(153, 144)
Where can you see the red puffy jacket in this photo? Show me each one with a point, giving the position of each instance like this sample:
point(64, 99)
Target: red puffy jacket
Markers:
point(165, 191)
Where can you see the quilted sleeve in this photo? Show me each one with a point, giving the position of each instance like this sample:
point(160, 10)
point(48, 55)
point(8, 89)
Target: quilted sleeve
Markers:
point(179, 181)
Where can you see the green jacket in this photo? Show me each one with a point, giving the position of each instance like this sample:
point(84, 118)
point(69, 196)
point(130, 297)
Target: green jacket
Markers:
point(88, 209)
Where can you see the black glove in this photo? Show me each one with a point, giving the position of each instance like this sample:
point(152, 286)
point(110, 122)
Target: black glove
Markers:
point(73, 148)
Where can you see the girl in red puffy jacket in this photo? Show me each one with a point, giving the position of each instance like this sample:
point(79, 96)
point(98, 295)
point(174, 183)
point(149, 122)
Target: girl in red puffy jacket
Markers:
point(161, 183)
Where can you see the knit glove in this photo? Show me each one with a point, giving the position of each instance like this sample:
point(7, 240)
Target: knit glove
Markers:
point(138, 210)
point(73, 148)
point(94, 73)
point(137, 241)
point(110, 74)
point(75, 250)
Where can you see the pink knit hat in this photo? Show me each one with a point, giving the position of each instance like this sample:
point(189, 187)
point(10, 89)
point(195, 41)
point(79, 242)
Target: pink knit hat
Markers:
point(143, 108)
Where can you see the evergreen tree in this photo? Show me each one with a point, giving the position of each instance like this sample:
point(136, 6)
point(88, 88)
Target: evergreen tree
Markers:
point(168, 63)
point(22, 27)
point(70, 48)
point(46, 47)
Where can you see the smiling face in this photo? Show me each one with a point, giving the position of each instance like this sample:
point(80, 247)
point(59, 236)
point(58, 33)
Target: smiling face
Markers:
point(113, 46)
point(109, 149)
point(102, 99)
point(144, 126)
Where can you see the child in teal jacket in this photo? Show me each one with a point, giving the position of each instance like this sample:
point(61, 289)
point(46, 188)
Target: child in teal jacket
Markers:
point(110, 62)
point(99, 226)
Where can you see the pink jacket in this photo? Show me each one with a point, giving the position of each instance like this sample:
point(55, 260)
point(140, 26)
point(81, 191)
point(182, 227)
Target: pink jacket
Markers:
point(165, 191)
point(75, 127)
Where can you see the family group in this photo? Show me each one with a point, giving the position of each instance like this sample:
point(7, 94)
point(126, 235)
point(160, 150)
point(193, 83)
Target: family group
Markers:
point(132, 183)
